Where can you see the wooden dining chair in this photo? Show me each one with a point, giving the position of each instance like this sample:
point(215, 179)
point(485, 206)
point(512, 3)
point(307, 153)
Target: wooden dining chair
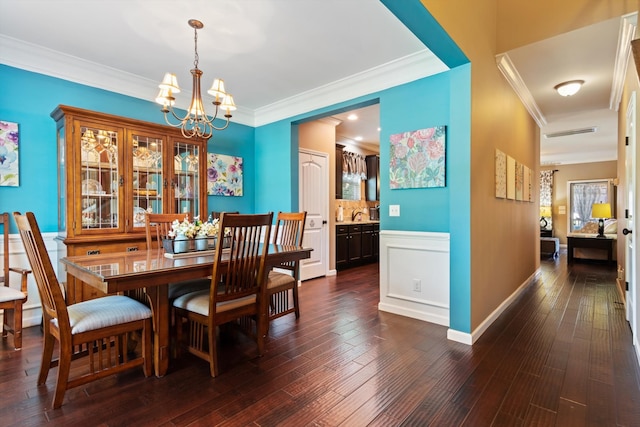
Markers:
point(282, 286)
point(158, 226)
point(236, 291)
point(216, 214)
point(11, 299)
point(96, 329)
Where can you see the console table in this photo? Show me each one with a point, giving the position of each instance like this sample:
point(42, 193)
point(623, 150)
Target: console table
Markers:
point(603, 243)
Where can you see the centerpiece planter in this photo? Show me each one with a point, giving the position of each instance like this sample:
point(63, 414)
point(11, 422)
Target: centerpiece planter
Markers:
point(178, 246)
point(202, 243)
point(196, 236)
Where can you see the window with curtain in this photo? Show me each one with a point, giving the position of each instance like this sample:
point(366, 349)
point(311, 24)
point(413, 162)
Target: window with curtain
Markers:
point(546, 198)
point(582, 196)
point(354, 171)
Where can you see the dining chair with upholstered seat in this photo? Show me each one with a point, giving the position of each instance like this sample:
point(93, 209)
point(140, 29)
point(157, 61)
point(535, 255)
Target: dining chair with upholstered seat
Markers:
point(282, 286)
point(11, 299)
point(96, 329)
point(236, 290)
point(158, 226)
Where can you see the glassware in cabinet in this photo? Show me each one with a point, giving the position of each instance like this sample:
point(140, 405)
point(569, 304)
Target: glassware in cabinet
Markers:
point(148, 179)
point(100, 178)
point(187, 164)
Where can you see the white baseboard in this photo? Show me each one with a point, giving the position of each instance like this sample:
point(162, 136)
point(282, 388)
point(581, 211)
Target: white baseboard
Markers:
point(469, 339)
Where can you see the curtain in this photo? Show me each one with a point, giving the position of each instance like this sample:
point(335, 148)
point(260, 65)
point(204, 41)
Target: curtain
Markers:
point(354, 165)
point(546, 188)
point(583, 196)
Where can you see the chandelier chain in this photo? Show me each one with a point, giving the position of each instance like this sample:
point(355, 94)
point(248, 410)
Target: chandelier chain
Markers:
point(196, 58)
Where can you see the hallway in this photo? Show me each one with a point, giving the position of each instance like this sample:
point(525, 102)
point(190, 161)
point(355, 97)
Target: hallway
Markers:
point(559, 356)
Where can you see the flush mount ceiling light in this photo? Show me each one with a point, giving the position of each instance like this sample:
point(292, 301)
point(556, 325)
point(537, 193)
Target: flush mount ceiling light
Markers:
point(569, 88)
point(196, 122)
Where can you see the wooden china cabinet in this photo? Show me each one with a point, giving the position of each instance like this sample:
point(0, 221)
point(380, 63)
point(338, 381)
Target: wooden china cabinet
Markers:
point(111, 170)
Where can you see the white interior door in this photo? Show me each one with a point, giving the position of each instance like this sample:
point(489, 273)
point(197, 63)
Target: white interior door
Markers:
point(314, 198)
point(631, 270)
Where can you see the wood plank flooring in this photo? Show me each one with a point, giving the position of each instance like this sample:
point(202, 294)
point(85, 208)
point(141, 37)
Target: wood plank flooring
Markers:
point(560, 355)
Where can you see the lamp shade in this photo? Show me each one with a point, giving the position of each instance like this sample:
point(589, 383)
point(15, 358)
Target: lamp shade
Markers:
point(601, 210)
point(545, 211)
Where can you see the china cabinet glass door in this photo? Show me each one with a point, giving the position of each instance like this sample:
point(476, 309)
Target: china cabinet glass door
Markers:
point(148, 180)
point(101, 178)
point(186, 181)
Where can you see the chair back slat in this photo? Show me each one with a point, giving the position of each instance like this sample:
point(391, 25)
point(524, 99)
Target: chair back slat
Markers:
point(51, 296)
point(244, 274)
point(289, 230)
point(158, 226)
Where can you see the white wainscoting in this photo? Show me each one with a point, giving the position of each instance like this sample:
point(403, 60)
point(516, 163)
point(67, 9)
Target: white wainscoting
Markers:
point(410, 257)
point(32, 309)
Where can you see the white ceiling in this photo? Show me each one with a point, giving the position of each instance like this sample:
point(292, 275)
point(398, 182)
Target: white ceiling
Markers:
point(278, 58)
point(281, 58)
point(591, 54)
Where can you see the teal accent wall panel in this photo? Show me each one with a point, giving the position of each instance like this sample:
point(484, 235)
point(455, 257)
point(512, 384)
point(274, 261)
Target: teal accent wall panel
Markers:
point(236, 140)
point(416, 18)
point(460, 200)
point(274, 166)
point(413, 106)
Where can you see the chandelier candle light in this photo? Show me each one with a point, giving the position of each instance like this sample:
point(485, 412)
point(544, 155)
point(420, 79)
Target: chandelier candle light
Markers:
point(195, 123)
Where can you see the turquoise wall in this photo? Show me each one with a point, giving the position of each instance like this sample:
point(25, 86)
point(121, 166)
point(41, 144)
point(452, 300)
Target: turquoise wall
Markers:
point(270, 152)
point(443, 99)
point(29, 98)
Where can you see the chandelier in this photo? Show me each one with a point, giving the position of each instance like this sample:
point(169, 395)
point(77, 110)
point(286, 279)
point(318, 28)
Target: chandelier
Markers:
point(196, 123)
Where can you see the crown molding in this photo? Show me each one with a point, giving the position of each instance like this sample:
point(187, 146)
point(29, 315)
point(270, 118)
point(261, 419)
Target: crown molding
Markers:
point(510, 73)
point(404, 70)
point(27, 56)
point(623, 51)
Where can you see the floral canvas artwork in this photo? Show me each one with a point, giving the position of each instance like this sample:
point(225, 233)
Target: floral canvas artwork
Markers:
point(418, 158)
point(224, 175)
point(9, 176)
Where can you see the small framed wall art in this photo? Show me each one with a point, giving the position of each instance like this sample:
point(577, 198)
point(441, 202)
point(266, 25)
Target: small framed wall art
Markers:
point(417, 158)
point(9, 156)
point(224, 175)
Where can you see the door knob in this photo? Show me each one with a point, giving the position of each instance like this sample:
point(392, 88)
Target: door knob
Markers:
point(626, 231)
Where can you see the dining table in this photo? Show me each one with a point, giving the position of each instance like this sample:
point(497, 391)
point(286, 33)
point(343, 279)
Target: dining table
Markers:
point(151, 271)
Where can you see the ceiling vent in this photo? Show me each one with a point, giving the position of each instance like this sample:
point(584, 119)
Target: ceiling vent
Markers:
point(570, 132)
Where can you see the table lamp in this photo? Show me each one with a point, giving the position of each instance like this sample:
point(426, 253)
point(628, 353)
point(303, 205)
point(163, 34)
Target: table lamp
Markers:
point(601, 211)
point(545, 212)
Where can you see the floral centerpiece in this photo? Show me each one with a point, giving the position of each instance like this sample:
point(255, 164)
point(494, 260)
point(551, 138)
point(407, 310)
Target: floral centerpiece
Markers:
point(210, 228)
point(185, 229)
point(187, 236)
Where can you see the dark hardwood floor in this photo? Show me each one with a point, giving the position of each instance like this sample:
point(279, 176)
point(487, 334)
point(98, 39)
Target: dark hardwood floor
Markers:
point(561, 355)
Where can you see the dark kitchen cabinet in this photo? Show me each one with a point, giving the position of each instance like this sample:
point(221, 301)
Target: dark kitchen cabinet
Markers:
point(366, 244)
point(375, 242)
point(373, 178)
point(348, 246)
point(356, 244)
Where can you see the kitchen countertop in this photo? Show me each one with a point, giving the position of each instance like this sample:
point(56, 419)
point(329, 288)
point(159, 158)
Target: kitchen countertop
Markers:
point(368, 221)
